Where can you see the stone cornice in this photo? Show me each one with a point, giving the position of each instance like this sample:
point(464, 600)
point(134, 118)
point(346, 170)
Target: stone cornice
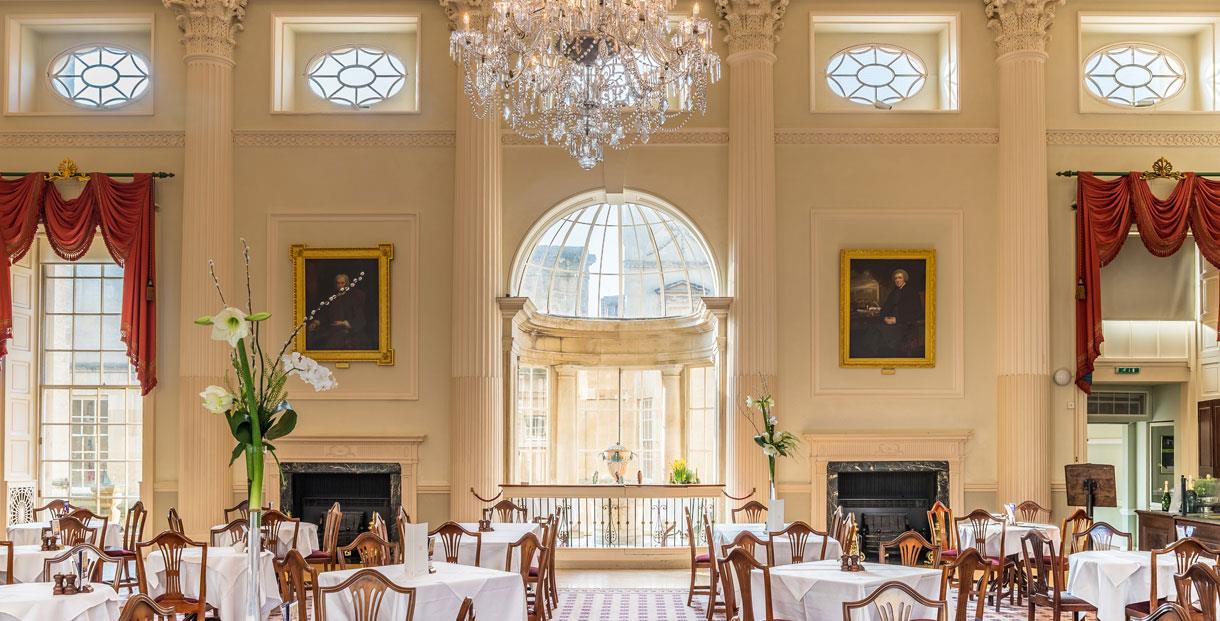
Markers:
point(314, 138)
point(751, 25)
point(146, 139)
point(711, 136)
point(1132, 138)
point(209, 27)
point(802, 136)
point(1021, 25)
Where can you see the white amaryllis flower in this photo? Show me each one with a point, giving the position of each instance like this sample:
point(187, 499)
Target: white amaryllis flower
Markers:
point(230, 325)
point(766, 402)
point(309, 371)
point(216, 400)
point(769, 450)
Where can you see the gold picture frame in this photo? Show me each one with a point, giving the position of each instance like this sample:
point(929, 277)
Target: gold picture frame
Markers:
point(905, 336)
point(350, 338)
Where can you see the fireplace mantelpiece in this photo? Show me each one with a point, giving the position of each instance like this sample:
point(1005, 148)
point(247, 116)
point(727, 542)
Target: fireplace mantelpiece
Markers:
point(871, 446)
point(401, 450)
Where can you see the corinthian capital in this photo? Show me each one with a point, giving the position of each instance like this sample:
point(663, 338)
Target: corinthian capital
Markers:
point(455, 8)
point(1021, 25)
point(751, 25)
point(209, 27)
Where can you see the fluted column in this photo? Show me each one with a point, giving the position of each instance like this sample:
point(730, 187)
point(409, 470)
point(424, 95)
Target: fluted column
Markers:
point(1023, 386)
point(477, 386)
point(751, 27)
point(209, 29)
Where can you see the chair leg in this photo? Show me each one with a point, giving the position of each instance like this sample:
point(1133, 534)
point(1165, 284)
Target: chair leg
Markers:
point(711, 598)
point(690, 593)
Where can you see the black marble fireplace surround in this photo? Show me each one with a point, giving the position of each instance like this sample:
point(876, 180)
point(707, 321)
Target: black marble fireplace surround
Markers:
point(887, 497)
point(309, 489)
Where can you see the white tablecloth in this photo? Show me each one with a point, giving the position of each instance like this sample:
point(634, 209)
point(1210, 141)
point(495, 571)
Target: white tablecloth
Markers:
point(816, 591)
point(226, 576)
point(31, 534)
point(307, 539)
point(725, 533)
point(1012, 536)
point(28, 562)
point(1111, 579)
point(495, 545)
point(23, 602)
point(497, 595)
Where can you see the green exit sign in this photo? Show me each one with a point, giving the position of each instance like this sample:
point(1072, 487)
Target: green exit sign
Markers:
point(1127, 370)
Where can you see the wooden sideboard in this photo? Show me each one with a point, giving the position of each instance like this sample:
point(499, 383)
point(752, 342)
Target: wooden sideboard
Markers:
point(1158, 529)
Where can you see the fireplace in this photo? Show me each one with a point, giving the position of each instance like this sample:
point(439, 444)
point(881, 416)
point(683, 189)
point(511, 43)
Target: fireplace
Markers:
point(887, 497)
point(361, 489)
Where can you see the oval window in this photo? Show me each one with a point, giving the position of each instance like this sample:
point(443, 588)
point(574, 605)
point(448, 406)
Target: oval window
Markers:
point(875, 74)
point(100, 77)
point(356, 76)
point(1134, 75)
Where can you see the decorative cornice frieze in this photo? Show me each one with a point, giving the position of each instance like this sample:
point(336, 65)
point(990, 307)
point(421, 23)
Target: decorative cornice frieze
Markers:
point(1132, 138)
point(1021, 25)
point(896, 136)
point(209, 27)
point(751, 25)
point(147, 139)
point(713, 136)
point(418, 138)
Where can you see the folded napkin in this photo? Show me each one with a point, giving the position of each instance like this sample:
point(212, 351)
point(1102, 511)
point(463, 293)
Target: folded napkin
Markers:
point(799, 579)
point(1117, 570)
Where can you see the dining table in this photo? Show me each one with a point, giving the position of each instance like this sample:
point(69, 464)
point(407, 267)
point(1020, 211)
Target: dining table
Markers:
point(307, 538)
point(29, 561)
point(493, 552)
point(34, 600)
point(816, 591)
point(724, 534)
point(1112, 579)
point(497, 594)
point(30, 533)
point(1012, 534)
point(226, 576)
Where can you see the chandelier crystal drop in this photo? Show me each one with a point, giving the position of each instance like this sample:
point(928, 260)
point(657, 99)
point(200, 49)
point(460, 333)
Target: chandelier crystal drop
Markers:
point(587, 74)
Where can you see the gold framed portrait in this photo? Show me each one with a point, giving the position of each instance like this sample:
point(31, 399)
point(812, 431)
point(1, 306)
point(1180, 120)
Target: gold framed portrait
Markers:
point(354, 327)
point(887, 308)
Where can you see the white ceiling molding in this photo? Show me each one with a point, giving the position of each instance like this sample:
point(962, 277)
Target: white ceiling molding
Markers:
point(887, 136)
point(1132, 138)
point(142, 139)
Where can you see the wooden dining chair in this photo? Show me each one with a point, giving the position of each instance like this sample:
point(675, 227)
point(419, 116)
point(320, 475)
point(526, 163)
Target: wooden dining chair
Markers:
point(913, 550)
point(1186, 552)
point(743, 563)
point(1031, 511)
point(1100, 536)
point(724, 575)
point(328, 556)
point(963, 571)
point(140, 607)
point(90, 561)
point(508, 511)
point(1168, 611)
point(895, 601)
point(943, 530)
point(298, 582)
point(526, 549)
point(175, 522)
point(272, 521)
point(754, 512)
point(230, 534)
point(133, 532)
point(239, 511)
point(749, 542)
point(550, 542)
point(377, 526)
point(91, 519)
point(846, 531)
point(1074, 524)
point(73, 531)
point(8, 562)
point(451, 534)
point(698, 560)
point(400, 531)
point(171, 545)
point(366, 592)
point(466, 612)
point(370, 548)
point(1200, 585)
point(797, 534)
point(1044, 578)
point(1003, 570)
point(55, 508)
point(709, 535)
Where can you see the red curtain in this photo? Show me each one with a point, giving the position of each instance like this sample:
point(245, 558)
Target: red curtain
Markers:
point(125, 214)
point(1105, 210)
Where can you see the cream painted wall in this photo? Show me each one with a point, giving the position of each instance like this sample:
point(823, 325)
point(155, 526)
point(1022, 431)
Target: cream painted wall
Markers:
point(292, 165)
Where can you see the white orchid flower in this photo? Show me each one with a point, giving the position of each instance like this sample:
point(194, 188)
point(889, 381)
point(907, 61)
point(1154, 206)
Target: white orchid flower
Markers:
point(216, 400)
point(749, 401)
point(230, 325)
point(309, 371)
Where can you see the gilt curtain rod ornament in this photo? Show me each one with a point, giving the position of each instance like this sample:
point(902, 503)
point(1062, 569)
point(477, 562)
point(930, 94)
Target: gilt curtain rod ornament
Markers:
point(586, 74)
point(69, 171)
point(1161, 169)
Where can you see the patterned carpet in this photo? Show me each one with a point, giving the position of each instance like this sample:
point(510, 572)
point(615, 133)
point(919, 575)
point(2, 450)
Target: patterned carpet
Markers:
point(670, 605)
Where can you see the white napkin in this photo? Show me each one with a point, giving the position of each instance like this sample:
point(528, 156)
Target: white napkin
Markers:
point(1116, 570)
point(415, 549)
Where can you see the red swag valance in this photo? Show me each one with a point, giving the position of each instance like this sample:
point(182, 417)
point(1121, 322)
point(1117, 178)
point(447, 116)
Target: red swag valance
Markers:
point(1105, 211)
point(125, 213)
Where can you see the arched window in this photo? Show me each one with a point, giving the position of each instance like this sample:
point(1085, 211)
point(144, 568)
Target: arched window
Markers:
point(356, 76)
point(636, 259)
point(1134, 75)
point(876, 73)
point(100, 77)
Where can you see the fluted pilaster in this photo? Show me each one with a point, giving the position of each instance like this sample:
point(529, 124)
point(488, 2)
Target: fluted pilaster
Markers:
point(752, 27)
point(477, 427)
point(209, 28)
point(1023, 306)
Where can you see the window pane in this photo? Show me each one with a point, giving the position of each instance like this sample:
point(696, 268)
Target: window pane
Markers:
point(88, 295)
point(58, 332)
point(59, 294)
point(88, 270)
point(86, 368)
point(87, 332)
point(54, 479)
point(111, 336)
point(112, 298)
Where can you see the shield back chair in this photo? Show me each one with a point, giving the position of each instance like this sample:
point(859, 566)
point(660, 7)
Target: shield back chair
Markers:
point(1031, 511)
point(274, 521)
point(298, 581)
point(894, 601)
point(1074, 524)
point(230, 534)
point(1186, 552)
point(141, 607)
point(963, 571)
point(133, 532)
point(366, 590)
point(507, 511)
point(698, 560)
point(328, 556)
point(1101, 536)
point(239, 511)
point(798, 535)
point(1168, 611)
point(55, 509)
point(709, 535)
point(1199, 584)
point(73, 531)
point(743, 564)
point(451, 534)
point(1002, 568)
point(175, 521)
point(372, 550)
point(944, 531)
point(913, 550)
point(90, 561)
point(98, 523)
point(171, 546)
point(753, 512)
point(1044, 578)
point(527, 548)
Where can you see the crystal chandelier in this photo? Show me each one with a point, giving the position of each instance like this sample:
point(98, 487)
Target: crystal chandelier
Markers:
point(586, 74)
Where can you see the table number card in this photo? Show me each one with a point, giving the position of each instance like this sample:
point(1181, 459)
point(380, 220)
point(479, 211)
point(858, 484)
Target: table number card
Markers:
point(775, 515)
point(1010, 509)
point(415, 549)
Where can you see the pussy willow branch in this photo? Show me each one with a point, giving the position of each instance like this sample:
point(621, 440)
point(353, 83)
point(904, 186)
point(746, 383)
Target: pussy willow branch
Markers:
point(323, 304)
point(216, 281)
point(256, 352)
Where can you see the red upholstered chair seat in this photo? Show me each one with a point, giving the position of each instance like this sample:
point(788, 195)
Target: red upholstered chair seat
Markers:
point(533, 571)
point(703, 558)
point(120, 552)
point(317, 555)
point(946, 553)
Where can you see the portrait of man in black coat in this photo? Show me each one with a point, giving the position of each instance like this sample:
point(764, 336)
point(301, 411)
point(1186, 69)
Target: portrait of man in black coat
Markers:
point(886, 309)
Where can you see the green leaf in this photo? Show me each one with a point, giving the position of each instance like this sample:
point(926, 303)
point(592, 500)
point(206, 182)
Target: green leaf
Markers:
point(237, 451)
point(283, 427)
point(205, 320)
point(259, 316)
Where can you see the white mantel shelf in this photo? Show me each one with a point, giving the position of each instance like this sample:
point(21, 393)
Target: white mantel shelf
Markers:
point(402, 450)
point(890, 445)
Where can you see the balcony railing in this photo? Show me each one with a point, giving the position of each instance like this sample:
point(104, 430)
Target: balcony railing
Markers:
point(622, 516)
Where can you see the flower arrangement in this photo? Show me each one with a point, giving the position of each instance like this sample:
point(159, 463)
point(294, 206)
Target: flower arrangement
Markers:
point(258, 410)
point(774, 443)
point(682, 474)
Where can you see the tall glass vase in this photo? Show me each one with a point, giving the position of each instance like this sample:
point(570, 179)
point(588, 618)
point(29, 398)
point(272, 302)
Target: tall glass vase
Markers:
point(254, 550)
